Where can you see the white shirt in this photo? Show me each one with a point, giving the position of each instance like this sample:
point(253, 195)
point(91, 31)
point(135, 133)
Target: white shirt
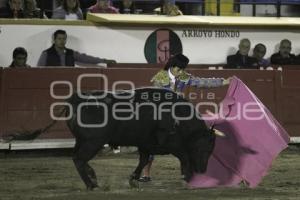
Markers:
point(71, 16)
point(172, 77)
point(173, 80)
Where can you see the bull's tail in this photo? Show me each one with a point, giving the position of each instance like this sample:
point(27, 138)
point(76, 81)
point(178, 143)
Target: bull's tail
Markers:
point(31, 135)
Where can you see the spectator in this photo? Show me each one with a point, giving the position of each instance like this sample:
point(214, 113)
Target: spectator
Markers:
point(14, 9)
point(103, 6)
point(31, 10)
point(69, 10)
point(259, 52)
point(47, 7)
point(19, 58)
point(168, 7)
point(127, 7)
point(85, 4)
point(241, 60)
point(284, 56)
point(59, 55)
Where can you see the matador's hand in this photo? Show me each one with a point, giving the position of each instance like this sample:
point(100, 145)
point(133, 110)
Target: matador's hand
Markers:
point(227, 81)
point(108, 61)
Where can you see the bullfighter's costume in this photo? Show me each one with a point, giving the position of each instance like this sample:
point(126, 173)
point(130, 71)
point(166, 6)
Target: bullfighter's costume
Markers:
point(165, 79)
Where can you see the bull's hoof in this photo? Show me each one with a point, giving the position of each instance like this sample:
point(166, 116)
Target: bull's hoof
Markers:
point(93, 188)
point(182, 177)
point(187, 178)
point(145, 179)
point(134, 183)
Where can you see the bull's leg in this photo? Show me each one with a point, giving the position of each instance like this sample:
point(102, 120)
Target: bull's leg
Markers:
point(83, 153)
point(81, 168)
point(143, 160)
point(92, 175)
point(186, 169)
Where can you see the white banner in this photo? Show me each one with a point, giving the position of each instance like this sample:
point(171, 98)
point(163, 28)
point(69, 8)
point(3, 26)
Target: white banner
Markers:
point(127, 44)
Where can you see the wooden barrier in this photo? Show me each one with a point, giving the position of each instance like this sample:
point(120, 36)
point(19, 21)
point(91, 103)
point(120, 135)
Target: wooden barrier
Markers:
point(26, 97)
point(288, 101)
point(197, 66)
point(185, 20)
point(1, 103)
point(25, 93)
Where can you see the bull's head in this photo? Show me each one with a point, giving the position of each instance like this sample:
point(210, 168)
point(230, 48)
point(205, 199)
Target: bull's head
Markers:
point(201, 148)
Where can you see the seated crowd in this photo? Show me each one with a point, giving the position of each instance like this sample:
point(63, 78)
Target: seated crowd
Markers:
point(242, 59)
point(59, 55)
point(77, 9)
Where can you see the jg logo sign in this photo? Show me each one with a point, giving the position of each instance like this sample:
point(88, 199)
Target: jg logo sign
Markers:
point(162, 44)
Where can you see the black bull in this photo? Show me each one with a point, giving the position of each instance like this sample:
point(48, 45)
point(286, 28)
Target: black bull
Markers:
point(156, 121)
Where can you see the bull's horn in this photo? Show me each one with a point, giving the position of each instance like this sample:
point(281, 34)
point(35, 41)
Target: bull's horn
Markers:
point(219, 133)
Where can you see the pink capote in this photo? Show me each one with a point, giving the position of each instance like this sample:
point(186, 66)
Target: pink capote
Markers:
point(250, 146)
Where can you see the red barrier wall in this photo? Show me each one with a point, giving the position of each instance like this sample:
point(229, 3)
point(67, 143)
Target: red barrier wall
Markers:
point(25, 93)
point(26, 97)
point(2, 112)
point(288, 101)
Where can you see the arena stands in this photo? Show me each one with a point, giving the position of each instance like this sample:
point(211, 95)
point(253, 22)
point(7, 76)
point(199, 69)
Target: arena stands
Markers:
point(188, 7)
